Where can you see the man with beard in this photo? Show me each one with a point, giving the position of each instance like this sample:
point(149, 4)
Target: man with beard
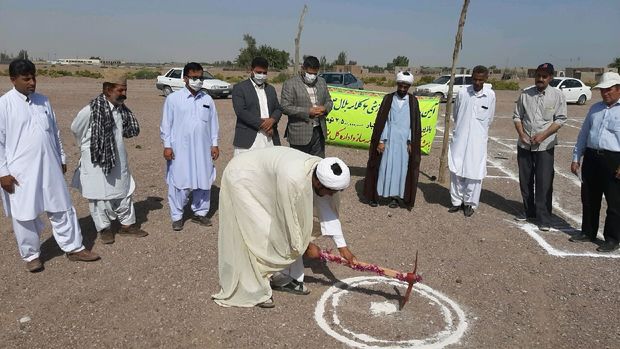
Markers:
point(306, 101)
point(467, 155)
point(258, 110)
point(539, 114)
point(394, 155)
point(32, 163)
point(103, 175)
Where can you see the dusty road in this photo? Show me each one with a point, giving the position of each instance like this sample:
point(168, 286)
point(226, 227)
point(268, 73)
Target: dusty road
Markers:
point(506, 285)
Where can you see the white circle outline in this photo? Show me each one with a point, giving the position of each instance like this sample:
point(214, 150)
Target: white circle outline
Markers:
point(443, 338)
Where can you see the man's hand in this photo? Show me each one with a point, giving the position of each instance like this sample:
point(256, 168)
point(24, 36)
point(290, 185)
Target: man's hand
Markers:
point(269, 133)
point(538, 138)
point(64, 168)
point(8, 183)
point(346, 254)
point(321, 110)
point(574, 168)
point(525, 139)
point(313, 251)
point(168, 154)
point(267, 124)
point(215, 153)
point(380, 148)
point(316, 111)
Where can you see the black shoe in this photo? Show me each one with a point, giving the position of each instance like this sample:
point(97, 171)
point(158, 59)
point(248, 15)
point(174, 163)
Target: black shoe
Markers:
point(581, 238)
point(453, 209)
point(294, 287)
point(202, 220)
point(393, 204)
point(373, 203)
point(523, 217)
point(468, 210)
point(544, 227)
point(268, 304)
point(177, 225)
point(608, 247)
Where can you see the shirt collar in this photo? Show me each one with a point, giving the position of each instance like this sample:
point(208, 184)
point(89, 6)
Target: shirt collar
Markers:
point(189, 94)
point(22, 96)
point(481, 93)
point(402, 99)
point(260, 87)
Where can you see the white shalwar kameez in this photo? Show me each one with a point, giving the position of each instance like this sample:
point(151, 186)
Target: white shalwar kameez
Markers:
point(32, 152)
point(109, 196)
point(467, 155)
point(266, 221)
point(190, 127)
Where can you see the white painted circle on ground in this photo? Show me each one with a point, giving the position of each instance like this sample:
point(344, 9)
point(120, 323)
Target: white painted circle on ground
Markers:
point(453, 316)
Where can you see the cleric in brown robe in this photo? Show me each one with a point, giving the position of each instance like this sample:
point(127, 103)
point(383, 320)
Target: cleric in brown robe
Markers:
point(404, 81)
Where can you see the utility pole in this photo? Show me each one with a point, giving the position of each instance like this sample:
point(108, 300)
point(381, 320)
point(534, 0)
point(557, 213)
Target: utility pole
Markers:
point(297, 39)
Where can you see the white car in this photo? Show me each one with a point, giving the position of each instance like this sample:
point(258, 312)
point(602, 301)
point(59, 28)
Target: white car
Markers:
point(439, 87)
point(173, 80)
point(574, 90)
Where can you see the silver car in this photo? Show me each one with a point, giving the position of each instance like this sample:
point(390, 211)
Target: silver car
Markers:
point(347, 80)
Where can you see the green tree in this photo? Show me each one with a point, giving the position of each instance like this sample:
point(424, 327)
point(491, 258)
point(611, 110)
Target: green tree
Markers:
point(342, 59)
point(399, 61)
point(23, 54)
point(615, 63)
point(247, 53)
point(277, 59)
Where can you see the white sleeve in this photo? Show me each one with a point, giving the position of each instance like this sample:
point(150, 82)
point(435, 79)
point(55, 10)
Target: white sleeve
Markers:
point(329, 220)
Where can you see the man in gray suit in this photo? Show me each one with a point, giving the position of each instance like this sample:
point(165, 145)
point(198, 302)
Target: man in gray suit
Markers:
point(306, 101)
point(258, 110)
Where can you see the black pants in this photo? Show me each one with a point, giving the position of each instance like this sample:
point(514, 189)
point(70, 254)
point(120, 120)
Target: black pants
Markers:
point(536, 182)
point(598, 174)
point(316, 146)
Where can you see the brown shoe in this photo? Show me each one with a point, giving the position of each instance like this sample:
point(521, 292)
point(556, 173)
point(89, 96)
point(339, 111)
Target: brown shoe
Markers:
point(34, 265)
point(106, 236)
point(132, 230)
point(83, 256)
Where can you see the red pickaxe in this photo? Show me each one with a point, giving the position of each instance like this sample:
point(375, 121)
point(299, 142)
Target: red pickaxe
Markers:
point(410, 278)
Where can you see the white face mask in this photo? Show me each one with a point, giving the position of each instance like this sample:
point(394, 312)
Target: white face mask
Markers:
point(309, 77)
point(259, 79)
point(195, 85)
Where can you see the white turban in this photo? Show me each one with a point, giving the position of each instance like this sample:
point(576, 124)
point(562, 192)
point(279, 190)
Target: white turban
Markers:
point(404, 77)
point(328, 178)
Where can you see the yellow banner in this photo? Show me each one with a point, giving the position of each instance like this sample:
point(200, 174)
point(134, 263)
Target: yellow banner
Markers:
point(352, 118)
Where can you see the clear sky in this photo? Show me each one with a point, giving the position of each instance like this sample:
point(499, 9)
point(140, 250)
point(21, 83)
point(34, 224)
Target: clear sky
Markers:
point(497, 32)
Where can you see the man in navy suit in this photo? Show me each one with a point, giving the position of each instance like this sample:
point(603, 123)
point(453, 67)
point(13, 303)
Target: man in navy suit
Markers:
point(258, 110)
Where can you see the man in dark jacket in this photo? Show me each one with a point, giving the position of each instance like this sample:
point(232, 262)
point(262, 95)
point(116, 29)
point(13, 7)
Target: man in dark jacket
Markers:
point(258, 110)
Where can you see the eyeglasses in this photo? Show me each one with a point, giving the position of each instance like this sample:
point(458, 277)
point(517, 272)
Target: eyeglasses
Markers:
point(196, 78)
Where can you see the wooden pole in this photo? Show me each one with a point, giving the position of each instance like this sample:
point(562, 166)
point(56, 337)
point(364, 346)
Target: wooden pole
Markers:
point(446, 134)
point(297, 39)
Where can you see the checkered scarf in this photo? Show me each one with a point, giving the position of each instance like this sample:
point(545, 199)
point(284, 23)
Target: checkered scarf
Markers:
point(102, 142)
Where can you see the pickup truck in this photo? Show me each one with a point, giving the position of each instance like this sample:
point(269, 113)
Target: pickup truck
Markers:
point(439, 87)
point(173, 80)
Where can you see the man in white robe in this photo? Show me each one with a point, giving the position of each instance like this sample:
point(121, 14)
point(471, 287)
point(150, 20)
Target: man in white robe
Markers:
point(189, 132)
point(467, 155)
point(107, 186)
point(266, 219)
point(32, 163)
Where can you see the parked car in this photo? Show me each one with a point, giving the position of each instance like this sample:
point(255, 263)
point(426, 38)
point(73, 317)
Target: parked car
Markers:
point(574, 90)
point(347, 80)
point(439, 87)
point(173, 80)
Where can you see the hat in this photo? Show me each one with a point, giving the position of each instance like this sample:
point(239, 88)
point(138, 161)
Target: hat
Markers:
point(330, 176)
point(404, 77)
point(546, 67)
point(116, 77)
point(608, 80)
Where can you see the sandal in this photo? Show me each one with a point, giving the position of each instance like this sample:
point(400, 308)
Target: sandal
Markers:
point(268, 304)
point(393, 204)
point(294, 287)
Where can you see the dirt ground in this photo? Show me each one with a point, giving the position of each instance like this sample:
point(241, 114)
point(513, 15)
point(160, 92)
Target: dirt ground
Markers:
point(514, 291)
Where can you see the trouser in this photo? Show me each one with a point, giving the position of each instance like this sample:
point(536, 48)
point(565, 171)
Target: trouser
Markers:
point(177, 199)
point(465, 190)
point(316, 146)
point(293, 271)
point(598, 174)
point(536, 182)
point(105, 211)
point(65, 228)
point(260, 142)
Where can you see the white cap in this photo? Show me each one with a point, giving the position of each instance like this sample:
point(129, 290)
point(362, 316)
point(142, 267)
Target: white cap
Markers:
point(331, 180)
point(608, 80)
point(404, 77)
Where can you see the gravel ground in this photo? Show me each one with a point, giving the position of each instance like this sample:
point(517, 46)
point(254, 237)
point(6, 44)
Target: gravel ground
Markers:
point(155, 291)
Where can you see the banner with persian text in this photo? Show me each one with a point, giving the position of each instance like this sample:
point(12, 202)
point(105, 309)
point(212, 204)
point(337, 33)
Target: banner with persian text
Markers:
point(352, 118)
